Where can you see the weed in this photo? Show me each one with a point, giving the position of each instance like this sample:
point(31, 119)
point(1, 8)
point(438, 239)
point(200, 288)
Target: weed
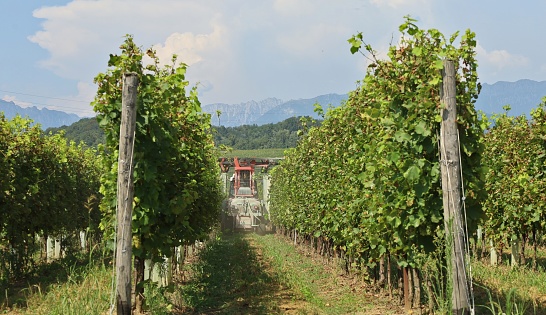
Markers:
point(512, 304)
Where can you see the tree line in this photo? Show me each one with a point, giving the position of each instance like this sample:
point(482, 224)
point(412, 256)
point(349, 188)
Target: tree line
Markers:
point(281, 135)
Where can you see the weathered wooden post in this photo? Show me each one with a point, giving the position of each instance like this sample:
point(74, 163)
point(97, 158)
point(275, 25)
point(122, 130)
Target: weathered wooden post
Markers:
point(451, 187)
point(50, 248)
point(493, 253)
point(83, 240)
point(58, 247)
point(125, 194)
point(266, 185)
point(514, 257)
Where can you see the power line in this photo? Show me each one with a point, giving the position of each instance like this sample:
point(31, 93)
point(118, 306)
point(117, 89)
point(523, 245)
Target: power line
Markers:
point(49, 97)
point(58, 107)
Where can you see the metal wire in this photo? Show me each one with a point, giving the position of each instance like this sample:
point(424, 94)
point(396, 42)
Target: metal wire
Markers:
point(467, 242)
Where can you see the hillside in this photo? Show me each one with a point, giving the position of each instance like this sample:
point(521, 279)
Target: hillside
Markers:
point(86, 130)
point(283, 134)
point(247, 137)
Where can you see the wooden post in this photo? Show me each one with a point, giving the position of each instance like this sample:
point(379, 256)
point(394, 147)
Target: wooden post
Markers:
point(125, 194)
point(57, 253)
point(451, 187)
point(405, 278)
point(493, 251)
point(266, 184)
point(50, 248)
point(514, 257)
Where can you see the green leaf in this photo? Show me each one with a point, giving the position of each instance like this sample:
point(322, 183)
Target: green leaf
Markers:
point(434, 81)
point(356, 43)
point(393, 157)
point(402, 136)
point(421, 128)
point(412, 173)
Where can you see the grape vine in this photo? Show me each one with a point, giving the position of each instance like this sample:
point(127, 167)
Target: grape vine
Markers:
point(45, 185)
point(368, 179)
point(515, 158)
point(176, 187)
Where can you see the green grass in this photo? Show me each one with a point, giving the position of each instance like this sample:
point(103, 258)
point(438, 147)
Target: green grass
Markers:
point(229, 278)
point(322, 284)
point(261, 153)
point(85, 290)
point(245, 273)
point(509, 288)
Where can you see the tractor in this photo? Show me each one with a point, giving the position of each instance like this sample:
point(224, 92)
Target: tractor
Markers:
point(244, 210)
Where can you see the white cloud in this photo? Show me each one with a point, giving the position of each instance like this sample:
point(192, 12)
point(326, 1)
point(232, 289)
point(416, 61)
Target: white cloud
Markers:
point(241, 49)
point(189, 47)
point(500, 59)
point(80, 35)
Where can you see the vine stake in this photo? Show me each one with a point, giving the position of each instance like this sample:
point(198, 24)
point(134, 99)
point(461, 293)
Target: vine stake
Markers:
point(125, 194)
point(451, 187)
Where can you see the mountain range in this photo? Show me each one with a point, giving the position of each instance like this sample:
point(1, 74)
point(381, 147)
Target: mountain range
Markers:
point(522, 96)
point(271, 110)
point(45, 117)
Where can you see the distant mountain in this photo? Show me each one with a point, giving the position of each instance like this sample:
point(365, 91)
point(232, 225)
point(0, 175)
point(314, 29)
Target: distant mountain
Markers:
point(271, 110)
point(522, 96)
point(45, 117)
point(85, 130)
point(240, 114)
point(301, 107)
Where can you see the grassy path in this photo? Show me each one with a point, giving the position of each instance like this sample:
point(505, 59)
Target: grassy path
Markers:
point(230, 277)
point(252, 274)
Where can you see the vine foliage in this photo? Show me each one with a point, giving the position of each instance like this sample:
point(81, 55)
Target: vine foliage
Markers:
point(368, 180)
point(46, 184)
point(515, 158)
point(176, 187)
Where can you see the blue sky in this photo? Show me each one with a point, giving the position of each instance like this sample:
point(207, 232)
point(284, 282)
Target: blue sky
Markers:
point(242, 50)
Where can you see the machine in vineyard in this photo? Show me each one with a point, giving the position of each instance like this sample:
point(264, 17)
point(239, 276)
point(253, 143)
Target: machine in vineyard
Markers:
point(243, 208)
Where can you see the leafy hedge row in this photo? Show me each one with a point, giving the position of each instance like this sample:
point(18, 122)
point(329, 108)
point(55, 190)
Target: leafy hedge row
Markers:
point(45, 189)
point(515, 180)
point(368, 179)
point(176, 187)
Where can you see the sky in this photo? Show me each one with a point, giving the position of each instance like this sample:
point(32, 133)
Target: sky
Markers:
point(243, 50)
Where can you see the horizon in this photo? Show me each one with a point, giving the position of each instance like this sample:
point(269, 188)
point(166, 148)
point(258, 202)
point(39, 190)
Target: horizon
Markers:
point(242, 103)
point(246, 50)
